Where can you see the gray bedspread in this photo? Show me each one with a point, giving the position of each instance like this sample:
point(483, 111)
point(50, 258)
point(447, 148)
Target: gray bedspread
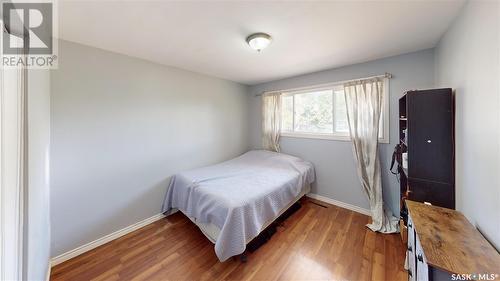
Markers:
point(240, 195)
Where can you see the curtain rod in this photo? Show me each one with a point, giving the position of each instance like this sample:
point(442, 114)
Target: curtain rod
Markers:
point(386, 75)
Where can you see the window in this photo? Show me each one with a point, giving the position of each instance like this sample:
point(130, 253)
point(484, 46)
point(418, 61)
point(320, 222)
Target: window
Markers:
point(321, 113)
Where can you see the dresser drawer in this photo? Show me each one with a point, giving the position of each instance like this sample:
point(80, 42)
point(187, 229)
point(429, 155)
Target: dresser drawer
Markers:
point(420, 262)
point(410, 252)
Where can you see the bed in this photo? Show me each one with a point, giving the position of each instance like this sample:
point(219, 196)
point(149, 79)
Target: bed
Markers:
point(233, 201)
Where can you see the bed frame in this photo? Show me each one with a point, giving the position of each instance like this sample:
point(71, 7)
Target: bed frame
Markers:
point(266, 233)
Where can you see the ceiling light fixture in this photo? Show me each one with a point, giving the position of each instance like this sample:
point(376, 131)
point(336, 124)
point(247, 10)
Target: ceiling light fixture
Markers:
point(259, 41)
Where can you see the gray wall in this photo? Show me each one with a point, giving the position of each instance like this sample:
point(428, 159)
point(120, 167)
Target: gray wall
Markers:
point(468, 60)
point(120, 127)
point(37, 207)
point(333, 160)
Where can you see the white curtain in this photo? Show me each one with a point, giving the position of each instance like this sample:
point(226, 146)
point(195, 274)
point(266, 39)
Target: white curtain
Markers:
point(271, 121)
point(364, 100)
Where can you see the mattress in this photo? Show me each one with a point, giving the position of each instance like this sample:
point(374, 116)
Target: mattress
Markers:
point(235, 200)
point(211, 231)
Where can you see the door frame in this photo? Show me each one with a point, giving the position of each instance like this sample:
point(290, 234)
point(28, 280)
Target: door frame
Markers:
point(13, 168)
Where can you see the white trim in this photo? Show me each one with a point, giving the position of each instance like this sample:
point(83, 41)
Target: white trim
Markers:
point(13, 170)
point(340, 204)
point(49, 269)
point(386, 111)
point(117, 234)
point(315, 136)
point(103, 240)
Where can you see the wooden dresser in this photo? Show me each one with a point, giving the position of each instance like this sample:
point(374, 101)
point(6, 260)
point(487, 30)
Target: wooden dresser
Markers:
point(442, 243)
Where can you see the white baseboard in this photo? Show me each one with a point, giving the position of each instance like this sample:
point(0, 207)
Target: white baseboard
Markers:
point(103, 240)
point(47, 278)
point(117, 234)
point(340, 204)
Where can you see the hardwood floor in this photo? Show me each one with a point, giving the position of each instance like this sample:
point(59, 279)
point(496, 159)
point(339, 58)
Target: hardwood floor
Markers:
point(315, 243)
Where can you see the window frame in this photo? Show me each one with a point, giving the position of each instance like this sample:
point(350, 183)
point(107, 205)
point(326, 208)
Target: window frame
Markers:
point(384, 138)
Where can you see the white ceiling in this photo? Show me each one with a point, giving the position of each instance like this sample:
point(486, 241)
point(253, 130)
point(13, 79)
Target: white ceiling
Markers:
point(209, 37)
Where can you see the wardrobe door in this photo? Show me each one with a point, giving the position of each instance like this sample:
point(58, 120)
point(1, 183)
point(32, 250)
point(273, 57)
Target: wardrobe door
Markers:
point(430, 149)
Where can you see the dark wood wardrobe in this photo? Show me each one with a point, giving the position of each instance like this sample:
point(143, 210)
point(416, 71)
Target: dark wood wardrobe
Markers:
point(426, 134)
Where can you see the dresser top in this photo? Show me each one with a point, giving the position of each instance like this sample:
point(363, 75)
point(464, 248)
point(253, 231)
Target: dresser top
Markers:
point(450, 242)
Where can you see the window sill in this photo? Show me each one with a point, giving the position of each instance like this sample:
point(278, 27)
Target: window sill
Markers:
point(316, 136)
point(323, 137)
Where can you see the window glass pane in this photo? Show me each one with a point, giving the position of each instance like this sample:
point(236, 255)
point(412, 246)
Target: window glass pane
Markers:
point(340, 111)
point(320, 112)
point(313, 112)
point(287, 113)
point(381, 122)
